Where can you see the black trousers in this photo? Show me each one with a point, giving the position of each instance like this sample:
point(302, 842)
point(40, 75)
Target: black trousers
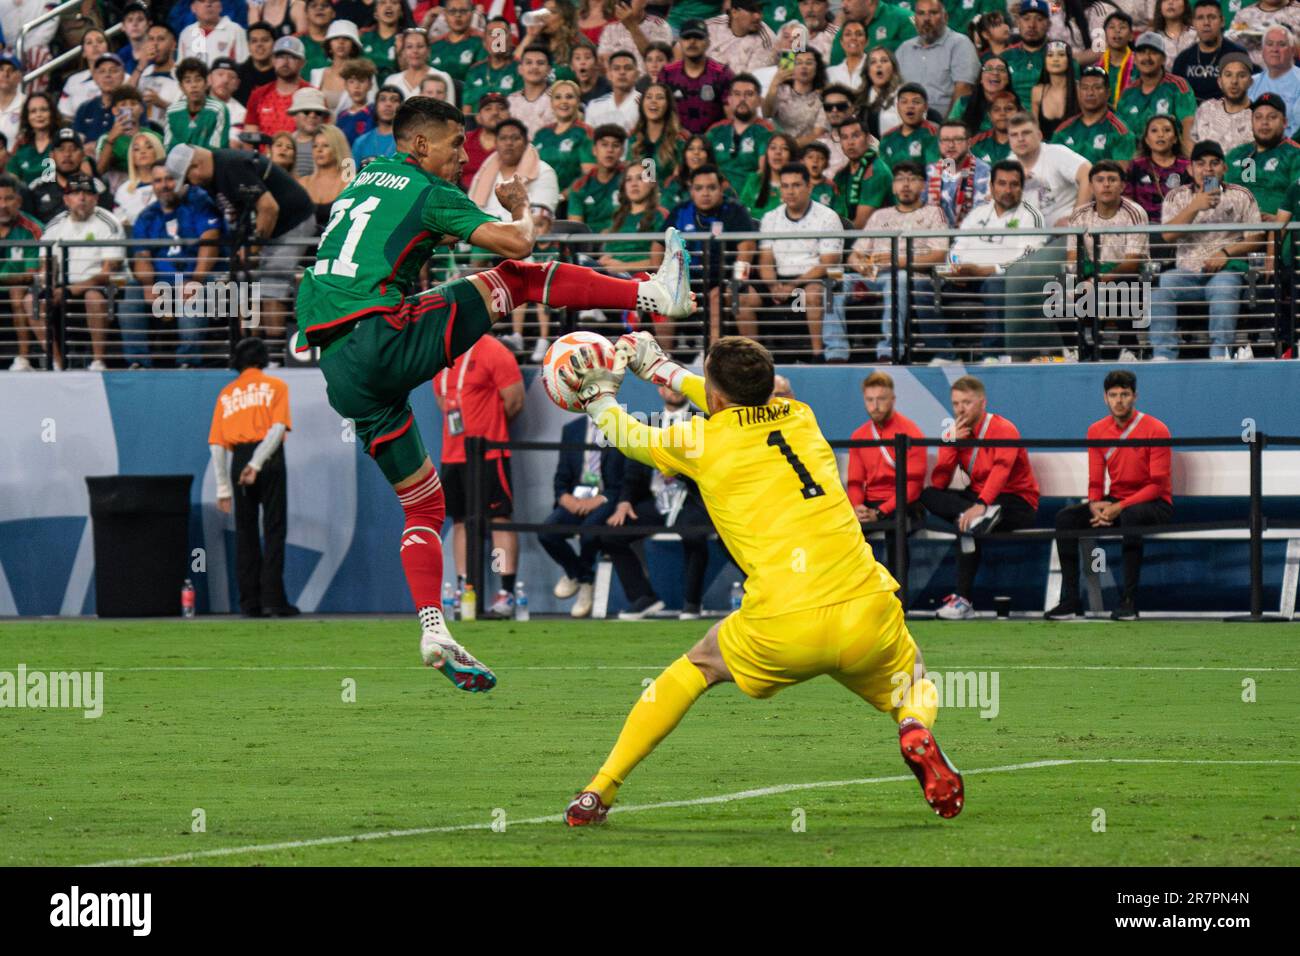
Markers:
point(915, 515)
point(949, 505)
point(259, 554)
point(1080, 516)
point(636, 583)
point(695, 548)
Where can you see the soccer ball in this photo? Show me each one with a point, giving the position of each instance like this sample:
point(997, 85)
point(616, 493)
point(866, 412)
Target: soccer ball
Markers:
point(558, 355)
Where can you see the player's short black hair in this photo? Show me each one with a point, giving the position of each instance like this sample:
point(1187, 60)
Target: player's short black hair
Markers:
point(1120, 378)
point(249, 353)
point(514, 122)
point(741, 369)
point(796, 169)
point(1008, 166)
point(417, 111)
point(190, 65)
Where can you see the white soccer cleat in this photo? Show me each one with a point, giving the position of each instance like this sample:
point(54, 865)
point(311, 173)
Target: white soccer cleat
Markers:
point(668, 291)
point(439, 649)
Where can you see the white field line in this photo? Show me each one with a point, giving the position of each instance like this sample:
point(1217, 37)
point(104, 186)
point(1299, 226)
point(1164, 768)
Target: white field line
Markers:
point(665, 805)
point(655, 667)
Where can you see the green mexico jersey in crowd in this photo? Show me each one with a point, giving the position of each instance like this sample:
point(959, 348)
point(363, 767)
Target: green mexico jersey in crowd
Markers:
point(317, 58)
point(29, 164)
point(958, 111)
point(121, 149)
point(209, 127)
point(637, 152)
point(738, 155)
point(824, 193)
point(1108, 138)
point(381, 230)
point(962, 12)
point(382, 53)
point(921, 145)
point(1026, 67)
point(1171, 97)
point(986, 147)
point(683, 10)
point(565, 152)
point(891, 25)
point(485, 78)
point(635, 250)
point(778, 14)
point(871, 186)
point(1268, 174)
point(16, 259)
point(456, 57)
point(594, 201)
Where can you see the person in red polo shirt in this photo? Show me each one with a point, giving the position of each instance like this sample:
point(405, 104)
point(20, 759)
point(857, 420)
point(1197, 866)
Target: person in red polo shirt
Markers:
point(479, 395)
point(268, 105)
point(1002, 492)
point(1140, 493)
point(872, 470)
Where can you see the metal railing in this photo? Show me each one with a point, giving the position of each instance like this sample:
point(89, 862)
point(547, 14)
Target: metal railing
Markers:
point(1037, 310)
point(66, 56)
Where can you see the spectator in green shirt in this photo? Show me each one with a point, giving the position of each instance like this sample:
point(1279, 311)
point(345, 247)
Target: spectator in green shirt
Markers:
point(566, 144)
point(19, 266)
point(1156, 93)
point(915, 138)
point(459, 48)
point(1095, 132)
point(320, 14)
point(973, 110)
point(762, 191)
point(593, 199)
point(864, 184)
point(36, 125)
point(1269, 165)
point(1026, 58)
point(738, 145)
point(888, 25)
point(498, 73)
point(994, 144)
point(379, 43)
point(657, 139)
point(677, 190)
point(196, 118)
point(816, 157)
point(638, 211)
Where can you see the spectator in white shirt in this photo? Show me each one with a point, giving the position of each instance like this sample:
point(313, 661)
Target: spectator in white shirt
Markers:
point(985, 259)
point(794, 271)
point(155, 74)
point(511, 144)
point(740, 40)
point(222, 83)
point(11, 99)
point(531, 103)
point(90, 269)
point(633, 31)
point(622, 104)
point(853, 71)
point(212, 35)
point(80, 86)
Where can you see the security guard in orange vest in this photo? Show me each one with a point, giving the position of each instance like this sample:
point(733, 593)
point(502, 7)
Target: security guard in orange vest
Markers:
point(250, 421)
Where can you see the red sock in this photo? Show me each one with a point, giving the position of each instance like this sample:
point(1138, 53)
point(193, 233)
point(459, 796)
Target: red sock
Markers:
point(560, 285)
point(425, 510)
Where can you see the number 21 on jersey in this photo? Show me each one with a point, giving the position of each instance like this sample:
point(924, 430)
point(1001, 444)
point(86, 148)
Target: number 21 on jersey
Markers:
point(359, 217)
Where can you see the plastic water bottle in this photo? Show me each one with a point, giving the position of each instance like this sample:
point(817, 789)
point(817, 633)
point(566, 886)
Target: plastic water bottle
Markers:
point(521, 602)
point(449, 601)
point(187, 598)
point(455, 605)
point(469, 604)
point(737, 595)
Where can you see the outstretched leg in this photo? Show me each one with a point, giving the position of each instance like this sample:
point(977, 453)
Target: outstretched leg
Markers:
point(660, 708)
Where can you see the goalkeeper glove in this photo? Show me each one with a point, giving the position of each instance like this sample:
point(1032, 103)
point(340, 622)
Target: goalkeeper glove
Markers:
point(642, 354)
point(594, 383)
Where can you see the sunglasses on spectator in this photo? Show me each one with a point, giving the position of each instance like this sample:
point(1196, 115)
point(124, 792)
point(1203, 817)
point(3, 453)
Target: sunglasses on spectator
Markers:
point(835, 106)
point(994, 69)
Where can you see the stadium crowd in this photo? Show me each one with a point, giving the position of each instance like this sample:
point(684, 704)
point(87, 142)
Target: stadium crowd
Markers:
point(803, 120)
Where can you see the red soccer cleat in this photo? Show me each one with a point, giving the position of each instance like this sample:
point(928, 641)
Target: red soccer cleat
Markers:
point(585, 810)
point(940, 781)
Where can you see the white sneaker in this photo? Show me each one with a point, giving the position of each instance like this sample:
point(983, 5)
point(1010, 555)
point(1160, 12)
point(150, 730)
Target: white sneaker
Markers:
point(592, 316)
point(539, 351)
point(97, 366)
point(668, 291)
point(1161, 358)
point(987, 521)
point(513, 340)
point(20, 364)
point(990, 360)
point(439, 649)
point(582, 606)
point(1070, 355)
point(939, 362)
point(1244, 354)
point(503, 606)
point(565, 588)
point(1128, 355)
point(956, 608)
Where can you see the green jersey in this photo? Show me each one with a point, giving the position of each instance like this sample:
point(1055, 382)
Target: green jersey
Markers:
point(317, 58)
point(1026, 67)
point(1108, 138)
point(824, 193)
point(209, 127)
point(962, 12)
point(1268, 174)
point(15, 260)
point(871, 186)
point(751, 192)
point(958, 111)
point(888, 28)
point(382, 229)
point(921, 145)
point(1171, 97)
point(121, 149)
point(737, 155)
point(595, 202)
point(455, 57)
point(29, 164)
point(633, 250)
point(379, 51)
point(778, 14)
point(485, 78)
point(684, 10)
point(565, 152)
point(985, 146)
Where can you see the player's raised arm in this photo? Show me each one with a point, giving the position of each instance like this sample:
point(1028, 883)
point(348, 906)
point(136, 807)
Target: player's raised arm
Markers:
point(513, 240)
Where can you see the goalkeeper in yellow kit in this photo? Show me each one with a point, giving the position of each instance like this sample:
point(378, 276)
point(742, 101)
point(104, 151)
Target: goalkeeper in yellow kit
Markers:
point(816, 602)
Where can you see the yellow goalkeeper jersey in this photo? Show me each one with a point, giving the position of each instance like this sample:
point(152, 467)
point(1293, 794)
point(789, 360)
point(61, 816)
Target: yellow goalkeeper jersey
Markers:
point(773, 490)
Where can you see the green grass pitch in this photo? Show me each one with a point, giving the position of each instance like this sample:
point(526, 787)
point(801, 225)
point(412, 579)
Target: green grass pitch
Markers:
point(247, 722)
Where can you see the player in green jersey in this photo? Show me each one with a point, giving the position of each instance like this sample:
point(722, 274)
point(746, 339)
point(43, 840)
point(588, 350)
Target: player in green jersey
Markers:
point(379, 340)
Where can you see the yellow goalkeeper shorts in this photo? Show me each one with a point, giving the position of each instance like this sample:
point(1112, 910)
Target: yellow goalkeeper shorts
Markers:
point(862, 643)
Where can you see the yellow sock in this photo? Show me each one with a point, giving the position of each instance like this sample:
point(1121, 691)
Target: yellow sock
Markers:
point(920, 701)
point(660, 708)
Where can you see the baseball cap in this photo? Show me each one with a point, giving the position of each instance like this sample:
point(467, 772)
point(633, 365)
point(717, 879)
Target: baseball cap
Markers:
point(696, 28)
point(1206, 147)
point(11, 61)
point(1269, 99)
point(487, 98)
point(1094, 71)
point(109, 57)
point(1150, 41)
point(752, 6)
point(1035, 6)
point(291, 45)
point(67, 135)
point(308, 99)
point(80, 183)
point(1242, 58)
point(223, 63)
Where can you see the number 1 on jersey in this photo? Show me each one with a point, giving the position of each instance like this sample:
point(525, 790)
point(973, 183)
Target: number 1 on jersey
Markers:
point(810, 488)
point(360, 217)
